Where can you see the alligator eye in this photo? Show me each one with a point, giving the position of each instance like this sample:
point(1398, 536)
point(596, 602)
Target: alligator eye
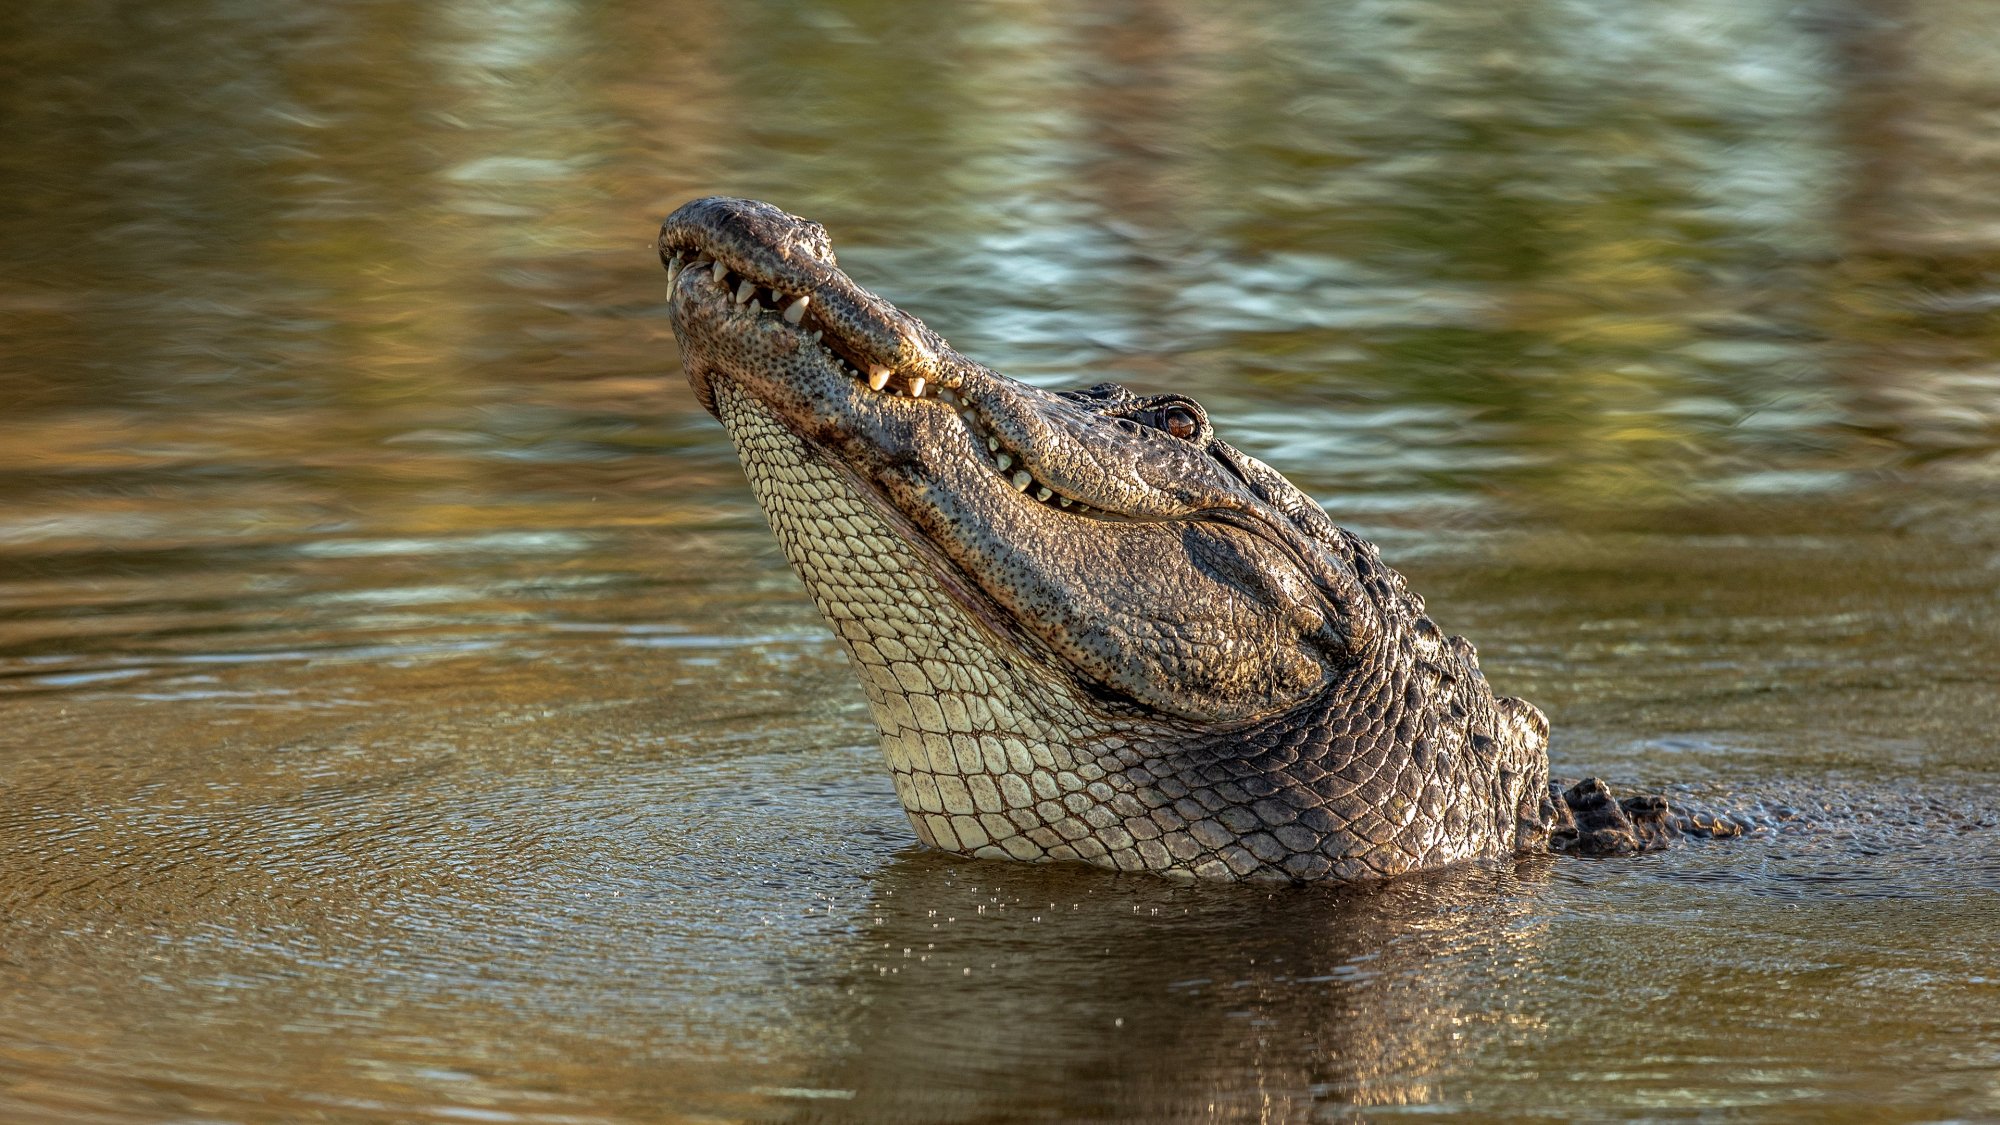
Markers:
point(1180, 422)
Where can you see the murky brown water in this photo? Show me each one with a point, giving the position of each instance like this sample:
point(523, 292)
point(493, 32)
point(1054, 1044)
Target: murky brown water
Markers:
point(405, 715)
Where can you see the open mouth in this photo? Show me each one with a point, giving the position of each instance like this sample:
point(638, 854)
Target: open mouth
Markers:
point(700, 277)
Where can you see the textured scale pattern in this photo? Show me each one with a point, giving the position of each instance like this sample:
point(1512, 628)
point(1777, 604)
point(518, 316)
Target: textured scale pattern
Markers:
point(1088, 629)
point(992, 760)
point(976, 764)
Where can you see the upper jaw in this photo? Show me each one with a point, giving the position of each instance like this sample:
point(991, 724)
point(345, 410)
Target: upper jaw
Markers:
point(978, 430)
point(748, 280)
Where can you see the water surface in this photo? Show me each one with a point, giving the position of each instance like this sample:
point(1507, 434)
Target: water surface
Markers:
point(407, 715)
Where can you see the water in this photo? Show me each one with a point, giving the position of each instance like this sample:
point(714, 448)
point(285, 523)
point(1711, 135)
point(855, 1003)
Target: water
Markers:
point(407, 715)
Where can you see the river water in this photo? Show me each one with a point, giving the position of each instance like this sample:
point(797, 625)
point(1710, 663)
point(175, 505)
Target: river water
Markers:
point(405, 714)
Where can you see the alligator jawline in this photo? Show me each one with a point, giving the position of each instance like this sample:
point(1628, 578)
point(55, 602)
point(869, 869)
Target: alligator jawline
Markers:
point(688, 271)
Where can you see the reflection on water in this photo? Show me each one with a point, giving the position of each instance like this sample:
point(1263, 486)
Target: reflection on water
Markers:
point(1051, 995)
point(408, 715)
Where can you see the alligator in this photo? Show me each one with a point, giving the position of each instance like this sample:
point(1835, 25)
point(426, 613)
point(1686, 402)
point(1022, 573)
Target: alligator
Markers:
point(1088, 628)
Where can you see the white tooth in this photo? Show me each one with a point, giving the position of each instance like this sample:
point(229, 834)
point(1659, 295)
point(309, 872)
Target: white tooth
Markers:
point(1043, 493)
point(718, 271)
point(878, 377)
point(744, 292)
point(916, 386)
point(797, 310)
point(1004, 461)
point(948, 396)
point(992, 445)
point(816, 335)
point(1064, 501)
point(1022, 480)
point(673, 271)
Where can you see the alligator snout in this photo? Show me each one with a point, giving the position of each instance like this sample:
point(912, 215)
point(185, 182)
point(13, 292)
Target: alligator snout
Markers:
point(758, 249)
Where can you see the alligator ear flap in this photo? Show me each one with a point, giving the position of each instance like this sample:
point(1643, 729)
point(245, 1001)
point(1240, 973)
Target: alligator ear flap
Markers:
point(1270, 486)
point(1334, 563)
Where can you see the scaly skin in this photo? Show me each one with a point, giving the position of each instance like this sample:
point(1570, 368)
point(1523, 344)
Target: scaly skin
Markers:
point(1087, 628)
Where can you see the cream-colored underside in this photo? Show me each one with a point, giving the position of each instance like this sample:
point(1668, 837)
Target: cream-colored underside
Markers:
point(986, 761)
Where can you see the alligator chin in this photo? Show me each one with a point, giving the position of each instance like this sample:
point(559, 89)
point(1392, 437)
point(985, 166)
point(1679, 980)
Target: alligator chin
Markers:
point(1087, 628)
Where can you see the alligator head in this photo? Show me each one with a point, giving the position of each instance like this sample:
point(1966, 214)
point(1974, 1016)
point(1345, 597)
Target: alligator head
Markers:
point(1087, 627)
